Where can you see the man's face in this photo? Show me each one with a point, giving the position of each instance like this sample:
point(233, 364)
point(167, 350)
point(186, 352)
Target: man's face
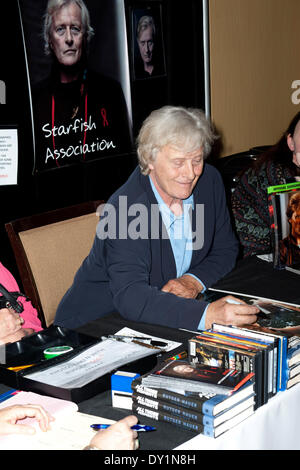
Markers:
point(175, 173)
point(146, 45)
point(294, 144)
point(66, 35)
point(295, 223)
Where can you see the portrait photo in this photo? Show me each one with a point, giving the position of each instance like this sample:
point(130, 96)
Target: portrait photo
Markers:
point(147, 48)
point(79, 78)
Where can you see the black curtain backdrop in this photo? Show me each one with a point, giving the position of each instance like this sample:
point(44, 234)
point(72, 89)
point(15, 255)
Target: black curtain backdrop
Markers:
point(182, 84)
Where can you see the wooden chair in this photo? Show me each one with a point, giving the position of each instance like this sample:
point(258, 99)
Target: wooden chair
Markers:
point(49, 248)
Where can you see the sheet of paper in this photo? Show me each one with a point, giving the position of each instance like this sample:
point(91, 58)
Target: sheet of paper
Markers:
point(73, 432)
point(94, 362)
point(266, 299)
point(54, 406)
point(70, 431)
point(129, 332)
point(8, 156)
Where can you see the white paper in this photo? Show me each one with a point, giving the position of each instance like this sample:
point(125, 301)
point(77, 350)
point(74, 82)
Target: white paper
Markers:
point(70, 430)
point(265, 299)
point(8, 156)
point(129, 332)
point(94, 362)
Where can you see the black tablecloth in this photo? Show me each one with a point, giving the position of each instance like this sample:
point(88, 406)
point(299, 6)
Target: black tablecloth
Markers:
point(166, 436)
point(256, 277)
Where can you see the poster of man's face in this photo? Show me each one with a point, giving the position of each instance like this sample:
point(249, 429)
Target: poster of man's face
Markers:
point(147, 42)
point(77, 60)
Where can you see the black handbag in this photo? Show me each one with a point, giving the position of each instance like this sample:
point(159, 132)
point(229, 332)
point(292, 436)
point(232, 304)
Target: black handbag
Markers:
point(10, 300)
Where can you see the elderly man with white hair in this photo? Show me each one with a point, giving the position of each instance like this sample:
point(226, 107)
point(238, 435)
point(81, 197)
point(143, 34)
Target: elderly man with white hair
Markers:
point(163, 238)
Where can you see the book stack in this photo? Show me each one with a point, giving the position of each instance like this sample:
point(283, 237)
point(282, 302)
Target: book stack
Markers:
point(282, 367)
point(277, 323)
point(293, 362)
point(175, 393)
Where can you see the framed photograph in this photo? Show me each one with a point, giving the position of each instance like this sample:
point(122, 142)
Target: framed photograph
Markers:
point(78, 70)
point(147, 43)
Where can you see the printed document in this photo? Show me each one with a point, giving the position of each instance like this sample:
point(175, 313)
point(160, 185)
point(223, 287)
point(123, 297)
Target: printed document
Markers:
point(92, 363)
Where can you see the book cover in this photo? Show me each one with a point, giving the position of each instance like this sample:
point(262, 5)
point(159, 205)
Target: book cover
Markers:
point(293, 356)
point(284, 210)
point(167, 407)
point(293, 371)
point(262, 364)
point(293, 381)
point(260, 337)
point(168, 418)
point(207, 403)
point(207, 350)
point(185, 376)
point(282, 351)
point(209, 431)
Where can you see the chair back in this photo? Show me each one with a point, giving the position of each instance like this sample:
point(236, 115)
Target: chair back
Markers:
point(49, 248)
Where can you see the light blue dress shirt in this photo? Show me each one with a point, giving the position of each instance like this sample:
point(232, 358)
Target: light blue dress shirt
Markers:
point(180, 235)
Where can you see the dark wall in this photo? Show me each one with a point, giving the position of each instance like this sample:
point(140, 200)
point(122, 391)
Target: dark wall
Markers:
point(182, 84)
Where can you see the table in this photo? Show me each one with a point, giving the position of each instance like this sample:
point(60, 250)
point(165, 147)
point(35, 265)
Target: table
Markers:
point(273, 426)
point(256, 277)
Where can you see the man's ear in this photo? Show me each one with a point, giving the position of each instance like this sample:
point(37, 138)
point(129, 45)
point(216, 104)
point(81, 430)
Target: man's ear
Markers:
point(290, 142)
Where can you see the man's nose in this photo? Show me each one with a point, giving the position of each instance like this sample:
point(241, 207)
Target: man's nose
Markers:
point(189, 171)
point(69, 36)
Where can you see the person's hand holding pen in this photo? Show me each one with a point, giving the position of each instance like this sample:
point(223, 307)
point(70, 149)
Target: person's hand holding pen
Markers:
point(230, 310)
point(118, 436)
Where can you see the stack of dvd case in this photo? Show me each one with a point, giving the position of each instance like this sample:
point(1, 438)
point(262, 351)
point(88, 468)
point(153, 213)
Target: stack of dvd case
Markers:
point(279, 368)
point(293, 361)
point(231, 347)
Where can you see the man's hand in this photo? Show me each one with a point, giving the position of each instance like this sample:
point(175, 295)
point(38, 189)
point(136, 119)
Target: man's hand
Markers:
point(11, 415)
point(225, 313)
point(119, 436)
point(184, 286)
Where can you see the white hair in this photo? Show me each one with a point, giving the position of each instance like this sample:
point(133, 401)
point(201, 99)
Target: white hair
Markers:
point(187, 129)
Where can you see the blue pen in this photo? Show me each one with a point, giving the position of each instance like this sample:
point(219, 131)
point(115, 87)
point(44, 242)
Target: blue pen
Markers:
point(7, 395)
point(136, 427)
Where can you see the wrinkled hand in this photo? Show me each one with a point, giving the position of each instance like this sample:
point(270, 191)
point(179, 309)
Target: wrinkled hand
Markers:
point(226, 313)
point(10, 322)
point(11, 415)
point(119, 436)
point(184, 286)
point(16, 336)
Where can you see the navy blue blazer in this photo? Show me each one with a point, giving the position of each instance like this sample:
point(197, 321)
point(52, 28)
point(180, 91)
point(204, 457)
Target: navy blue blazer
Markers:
point(126, 275)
